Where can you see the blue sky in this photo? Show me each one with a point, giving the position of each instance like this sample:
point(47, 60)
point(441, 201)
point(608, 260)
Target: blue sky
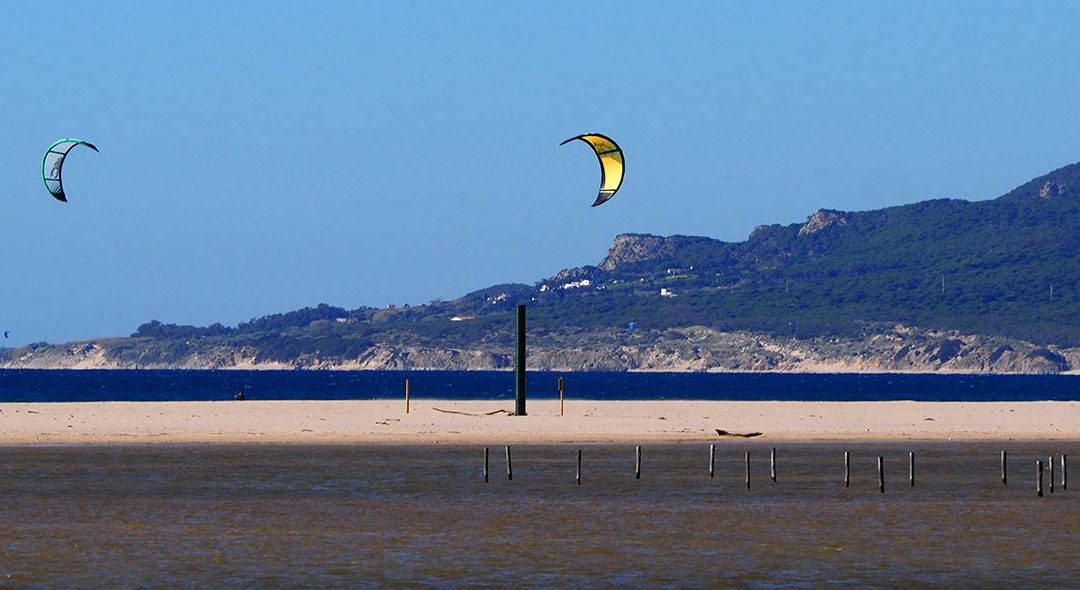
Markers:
point(261, 157)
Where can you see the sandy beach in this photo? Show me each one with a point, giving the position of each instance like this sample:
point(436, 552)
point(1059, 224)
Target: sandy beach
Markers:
point(438, 421)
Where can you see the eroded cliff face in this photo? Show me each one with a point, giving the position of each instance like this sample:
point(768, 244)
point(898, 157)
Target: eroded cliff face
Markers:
point(895, 349)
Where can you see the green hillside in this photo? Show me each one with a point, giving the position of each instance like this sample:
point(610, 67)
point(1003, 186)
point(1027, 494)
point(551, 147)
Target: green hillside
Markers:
point(1005, 267)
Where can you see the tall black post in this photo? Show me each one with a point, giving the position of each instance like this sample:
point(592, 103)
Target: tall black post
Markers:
point(519, 363)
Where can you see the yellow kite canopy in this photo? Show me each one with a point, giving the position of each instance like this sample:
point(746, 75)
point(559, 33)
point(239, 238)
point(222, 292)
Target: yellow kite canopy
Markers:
point(611, 164)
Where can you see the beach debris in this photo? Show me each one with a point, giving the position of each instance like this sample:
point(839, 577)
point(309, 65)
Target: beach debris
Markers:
point(474, 414)
point(387, 421)
point(737, 434)
point(53, 163)
point(611, 160)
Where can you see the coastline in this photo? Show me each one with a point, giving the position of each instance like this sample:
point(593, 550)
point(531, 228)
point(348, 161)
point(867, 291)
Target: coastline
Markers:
point(821, 369)
point(488, 422)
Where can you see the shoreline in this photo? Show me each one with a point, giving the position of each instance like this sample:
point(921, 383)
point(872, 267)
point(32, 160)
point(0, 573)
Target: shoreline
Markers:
point(489, 422)
point(270, 367)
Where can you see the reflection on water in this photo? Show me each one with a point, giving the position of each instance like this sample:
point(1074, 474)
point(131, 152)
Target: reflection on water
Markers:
point(388, 515)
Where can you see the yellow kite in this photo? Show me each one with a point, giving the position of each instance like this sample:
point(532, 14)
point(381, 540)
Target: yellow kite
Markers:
point(612, 164)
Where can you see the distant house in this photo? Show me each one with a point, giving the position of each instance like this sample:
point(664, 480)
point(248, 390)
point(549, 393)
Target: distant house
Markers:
point(576, 284)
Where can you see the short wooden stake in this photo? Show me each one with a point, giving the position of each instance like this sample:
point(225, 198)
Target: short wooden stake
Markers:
point(1038, 481)
point(847, 469)
point(1064, 474)
point(1004, 470)
point(637, 462)
point(748, 470)
point(485, 464)
point(881, 473)
point(712, 461)
point(772, 465)
point(509, 466)
point(577, 479)
point(406, 395)
point(911, 468)
point(562, 388)
point(1050, 472)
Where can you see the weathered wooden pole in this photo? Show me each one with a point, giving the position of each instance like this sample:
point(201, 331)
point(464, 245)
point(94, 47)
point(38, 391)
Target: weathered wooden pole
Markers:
point(577, 479)
point(847, 469)
point(748, 470)
point(509, 466)
point(485, 464)
point(772, 465)
point(562, 387)
point(712, 461)
point(1038, 480)
point(1064, 474)
point(881, 473)
point(1050, 472)
point(519, 364)
point(911, 468)
point(1004, 469)
point(406, 395)
point(637, 462)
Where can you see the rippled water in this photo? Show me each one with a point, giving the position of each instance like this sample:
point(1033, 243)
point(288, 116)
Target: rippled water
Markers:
point(393, 515)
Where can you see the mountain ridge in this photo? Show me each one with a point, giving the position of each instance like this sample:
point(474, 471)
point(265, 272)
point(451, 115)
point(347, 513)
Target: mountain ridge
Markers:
point(974, 286)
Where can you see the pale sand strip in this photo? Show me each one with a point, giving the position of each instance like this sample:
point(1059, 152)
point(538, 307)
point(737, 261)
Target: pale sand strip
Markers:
point(585, 421)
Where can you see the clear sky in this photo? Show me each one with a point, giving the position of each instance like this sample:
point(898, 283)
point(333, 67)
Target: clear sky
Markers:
point(261, 157)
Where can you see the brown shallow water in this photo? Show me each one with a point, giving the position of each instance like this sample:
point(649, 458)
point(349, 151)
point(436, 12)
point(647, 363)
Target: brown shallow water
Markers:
point(266, 516)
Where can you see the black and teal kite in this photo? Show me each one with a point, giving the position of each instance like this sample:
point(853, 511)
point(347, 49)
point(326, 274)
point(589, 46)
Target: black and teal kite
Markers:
point(52, 165)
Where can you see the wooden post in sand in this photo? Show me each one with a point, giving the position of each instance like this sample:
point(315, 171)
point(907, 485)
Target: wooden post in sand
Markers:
point(519, 364)
point(1004, 471)
point(1050, 472)
point(485, 464)
point(748, 470)
point(562, 388)
point(712, 461)
point(911, 468)
point(509, 467)
point(406, 395)
point(772, 465)
point(1064, 474)
point(577, 479)
point(637, 462)
point(847, 469)
point(881, 473)
point(1038, 480)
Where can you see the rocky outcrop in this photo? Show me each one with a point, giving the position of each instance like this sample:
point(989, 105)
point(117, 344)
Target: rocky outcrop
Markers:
point(823, 218)
point(634, 248)
point(629, 248)
point(1051, 189)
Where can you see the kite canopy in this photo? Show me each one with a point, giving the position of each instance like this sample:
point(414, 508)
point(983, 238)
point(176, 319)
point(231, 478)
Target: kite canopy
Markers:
point(53, 163)
point(611, 163)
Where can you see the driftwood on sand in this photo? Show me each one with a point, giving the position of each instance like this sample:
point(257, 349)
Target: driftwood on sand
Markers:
point(472, 414)
point(737, 434)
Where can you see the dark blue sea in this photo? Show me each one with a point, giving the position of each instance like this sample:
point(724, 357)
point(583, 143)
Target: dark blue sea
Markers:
point(17, 385)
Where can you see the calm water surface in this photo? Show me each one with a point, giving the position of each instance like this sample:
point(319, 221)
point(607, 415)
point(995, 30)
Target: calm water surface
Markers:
point(33, 385)
point(265, 516)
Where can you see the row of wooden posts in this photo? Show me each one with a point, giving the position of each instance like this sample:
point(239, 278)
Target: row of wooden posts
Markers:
point(847, 468)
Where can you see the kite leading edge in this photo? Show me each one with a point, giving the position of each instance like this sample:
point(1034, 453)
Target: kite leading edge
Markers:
point(611, 160)
point(53, 163)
